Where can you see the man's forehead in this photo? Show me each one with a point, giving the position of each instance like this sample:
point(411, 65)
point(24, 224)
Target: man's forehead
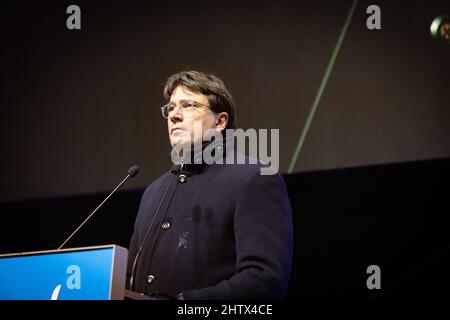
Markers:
point(182, 92)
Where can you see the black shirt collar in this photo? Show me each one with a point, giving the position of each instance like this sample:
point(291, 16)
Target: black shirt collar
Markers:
point(196, 158)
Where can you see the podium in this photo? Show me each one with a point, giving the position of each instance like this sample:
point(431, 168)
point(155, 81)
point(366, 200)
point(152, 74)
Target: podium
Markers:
point(88, 273)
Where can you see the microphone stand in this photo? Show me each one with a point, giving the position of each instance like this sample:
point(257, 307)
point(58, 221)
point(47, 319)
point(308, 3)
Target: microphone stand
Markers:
point(133, 268)
point(131, 173)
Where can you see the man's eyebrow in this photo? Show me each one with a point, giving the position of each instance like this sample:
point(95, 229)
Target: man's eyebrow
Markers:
point(182, 100)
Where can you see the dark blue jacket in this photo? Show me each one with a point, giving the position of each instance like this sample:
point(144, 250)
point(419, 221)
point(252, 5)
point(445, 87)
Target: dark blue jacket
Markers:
point(224, 234)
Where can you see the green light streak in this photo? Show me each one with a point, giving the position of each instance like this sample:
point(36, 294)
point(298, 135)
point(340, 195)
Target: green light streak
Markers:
point(322, 86)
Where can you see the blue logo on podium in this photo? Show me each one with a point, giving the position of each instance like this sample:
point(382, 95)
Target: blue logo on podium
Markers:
point(73, 275)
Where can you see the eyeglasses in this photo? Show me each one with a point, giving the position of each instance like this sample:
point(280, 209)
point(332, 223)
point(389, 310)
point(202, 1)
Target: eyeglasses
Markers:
point(187, 107)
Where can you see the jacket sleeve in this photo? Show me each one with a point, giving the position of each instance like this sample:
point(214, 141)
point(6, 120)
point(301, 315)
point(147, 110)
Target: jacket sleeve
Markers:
point(264, 243)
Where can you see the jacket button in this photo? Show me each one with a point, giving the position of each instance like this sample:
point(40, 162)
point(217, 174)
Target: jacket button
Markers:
point(165, 225)
point(150, 279)
point(182, 178)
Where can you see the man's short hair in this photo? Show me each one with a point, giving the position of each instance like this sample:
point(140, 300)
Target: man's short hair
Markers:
point(219, 98)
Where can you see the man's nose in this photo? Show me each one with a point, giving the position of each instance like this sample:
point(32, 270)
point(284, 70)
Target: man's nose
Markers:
point(176, 115)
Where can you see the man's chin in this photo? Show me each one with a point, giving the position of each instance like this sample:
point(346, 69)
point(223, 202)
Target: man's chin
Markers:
point(178, 143)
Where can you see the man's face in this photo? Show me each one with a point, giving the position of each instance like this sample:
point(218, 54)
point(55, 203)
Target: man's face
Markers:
point(181, 124)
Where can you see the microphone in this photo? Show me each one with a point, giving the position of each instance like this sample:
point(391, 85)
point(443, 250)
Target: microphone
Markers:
point(440, 28)
point(132, 172)
point(176, 169)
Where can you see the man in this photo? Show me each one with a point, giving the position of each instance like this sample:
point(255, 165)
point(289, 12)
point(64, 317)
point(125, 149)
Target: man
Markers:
point(210, 231)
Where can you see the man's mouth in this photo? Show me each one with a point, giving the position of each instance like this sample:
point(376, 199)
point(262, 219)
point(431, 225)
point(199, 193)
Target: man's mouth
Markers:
point(176, 130)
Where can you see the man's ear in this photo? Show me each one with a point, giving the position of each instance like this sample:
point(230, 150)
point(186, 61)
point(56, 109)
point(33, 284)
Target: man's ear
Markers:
point(221, 121)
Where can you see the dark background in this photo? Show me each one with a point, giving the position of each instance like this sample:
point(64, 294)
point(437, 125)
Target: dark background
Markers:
point(80, 107)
